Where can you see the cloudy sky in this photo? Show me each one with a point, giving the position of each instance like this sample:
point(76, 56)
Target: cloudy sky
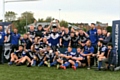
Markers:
point(85, 11)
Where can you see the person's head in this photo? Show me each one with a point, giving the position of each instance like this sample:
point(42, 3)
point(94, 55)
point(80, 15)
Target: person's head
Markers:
point(62, 28)
point(104, 32)
point(110, 46)
point(48, 48)
point(78, 49)
point(31, 28)
point(54, 28)
point(15, 30)
point(40, 27)
point(100, 43)
point(21, 47)
point(66, 30)
point(0, 28)
point(88, 43)
point(44, 40)
point(92, 26)
point(81, 32)
point(72, 34)
point(25, 36)
point(99, 31)
point(69, 49)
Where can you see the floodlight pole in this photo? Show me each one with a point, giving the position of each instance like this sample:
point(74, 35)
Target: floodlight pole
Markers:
point(59, 14)
point(4, 2)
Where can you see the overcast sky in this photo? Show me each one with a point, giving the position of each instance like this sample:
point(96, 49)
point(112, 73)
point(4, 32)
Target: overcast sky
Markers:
point(85, 11)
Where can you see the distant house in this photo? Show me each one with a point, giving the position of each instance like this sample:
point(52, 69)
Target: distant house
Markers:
point(83, 25)
point(102, 25)
point(98, 26)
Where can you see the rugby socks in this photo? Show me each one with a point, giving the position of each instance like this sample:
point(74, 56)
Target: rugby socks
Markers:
point(41, 63)
point(53, 63)
point(76, 64)
point(34, 63)
point(66, 64)
point(99, 64)
point(10, 63)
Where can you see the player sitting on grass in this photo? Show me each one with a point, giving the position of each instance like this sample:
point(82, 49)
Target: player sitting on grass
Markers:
point(19, 57)
point(68, 57)
point(78, 60)
point(48, 57)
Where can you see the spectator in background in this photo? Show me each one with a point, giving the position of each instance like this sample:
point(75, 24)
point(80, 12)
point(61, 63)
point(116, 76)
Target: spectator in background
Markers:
point(3, 38)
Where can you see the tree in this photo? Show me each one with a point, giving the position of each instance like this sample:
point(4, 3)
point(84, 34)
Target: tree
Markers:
point(25, 19)
point(49, 19)
point(41, 20)
point(109, 29)
point(64, 23)
point(10, 16)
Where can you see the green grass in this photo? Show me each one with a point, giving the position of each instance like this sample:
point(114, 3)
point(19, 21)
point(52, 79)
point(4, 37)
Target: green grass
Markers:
point(44, 73)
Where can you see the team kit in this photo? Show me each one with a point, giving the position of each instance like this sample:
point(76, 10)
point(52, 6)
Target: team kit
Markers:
point(55, 45)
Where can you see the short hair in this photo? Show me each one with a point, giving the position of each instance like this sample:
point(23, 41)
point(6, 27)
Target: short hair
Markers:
point(93, 24)
point(110, 44)
point(21, 46)
point(39, 25)
point(100, 41)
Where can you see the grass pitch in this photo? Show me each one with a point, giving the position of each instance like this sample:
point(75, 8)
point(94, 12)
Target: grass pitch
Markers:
point(44, 73)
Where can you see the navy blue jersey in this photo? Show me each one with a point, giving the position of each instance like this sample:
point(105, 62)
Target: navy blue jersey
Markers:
point(15, 38)
point(20, 53)
point(27, 42)
point(104, 50)
point(107, 39)
point(66, 39)
point(73, 54)
point(39, 33)
point(49, 55)
point(83, 38)
point(47, 35)
point(99, 36)
point(112, 57)
point(43, 45)
point(37, 46)
point(88, 50)
point(93, 36)
point(2, 37)
point(32, 34)
point(74, 41)
point(54, 38)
